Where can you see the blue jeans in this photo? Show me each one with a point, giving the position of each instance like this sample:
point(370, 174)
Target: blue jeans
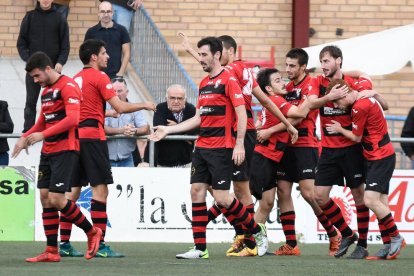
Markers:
point(122, 16)
point(128, 162)
point(4, 158)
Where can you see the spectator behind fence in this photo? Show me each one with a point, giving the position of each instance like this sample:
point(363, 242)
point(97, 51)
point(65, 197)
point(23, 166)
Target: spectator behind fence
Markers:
point(124, 11)
point(408, 132)
point(116, 38)
point(62, 6)
point(131, 124)
point(170, 153)
point(42, 29)
point(6, 126)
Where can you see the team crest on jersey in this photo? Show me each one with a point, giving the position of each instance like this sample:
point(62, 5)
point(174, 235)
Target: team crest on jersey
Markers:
point(55, 93)
point(354, 126)
point(109, 86)
point(297, 92)
point(216, 85)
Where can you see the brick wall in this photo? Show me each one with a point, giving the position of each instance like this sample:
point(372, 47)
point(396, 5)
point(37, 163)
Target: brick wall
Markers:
point(83, 14)
point(256, 24)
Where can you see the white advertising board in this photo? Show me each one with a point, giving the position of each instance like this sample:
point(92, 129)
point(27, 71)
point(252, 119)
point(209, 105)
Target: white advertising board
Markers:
point(154, 205)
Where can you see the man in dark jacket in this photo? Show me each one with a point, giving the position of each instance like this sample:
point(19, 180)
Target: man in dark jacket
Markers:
point(408, 132)
point(169, 153)
point(42, 29)
point(6, 126)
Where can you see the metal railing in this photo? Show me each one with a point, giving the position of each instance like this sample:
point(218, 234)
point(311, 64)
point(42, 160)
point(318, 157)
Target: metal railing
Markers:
point(154, 60)
point(403, 165)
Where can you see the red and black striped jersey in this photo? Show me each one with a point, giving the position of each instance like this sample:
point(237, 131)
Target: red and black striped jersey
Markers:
point(307, 128)
point(246, 82)
point(64, 95)
point(368, 121)
point(96, 89)
point(328, 112)
point(218, 96)
point(274, 147)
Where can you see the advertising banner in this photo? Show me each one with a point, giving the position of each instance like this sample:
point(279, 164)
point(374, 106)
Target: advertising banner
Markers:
point(17, 207)
point(401, 203)
point(154, 205)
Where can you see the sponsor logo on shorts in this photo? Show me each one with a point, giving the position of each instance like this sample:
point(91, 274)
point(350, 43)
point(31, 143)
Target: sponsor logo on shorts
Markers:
point(59, 184)
point(236, 172)
point(221, 182)
point(372, 184)
point(358, 175)
point(280, 173)
point(307, 171)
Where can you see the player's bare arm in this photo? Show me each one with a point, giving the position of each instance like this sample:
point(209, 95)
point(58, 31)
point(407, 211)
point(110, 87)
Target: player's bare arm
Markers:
point(336, 92)
point(126, 107)
point(187, 46)
point(264, 134)
point(19, 146)
point(162, 131)
point(373, 93)
point(238, 152)
point(269, 105)
point(335, 127)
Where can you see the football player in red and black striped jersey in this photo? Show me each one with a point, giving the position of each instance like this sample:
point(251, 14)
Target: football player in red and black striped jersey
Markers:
point(57, 128)
point(369, 127)
point(220, 101)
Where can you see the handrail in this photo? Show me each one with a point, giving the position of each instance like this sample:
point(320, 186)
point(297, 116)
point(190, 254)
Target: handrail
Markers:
point(154, 60)
point(181, 137)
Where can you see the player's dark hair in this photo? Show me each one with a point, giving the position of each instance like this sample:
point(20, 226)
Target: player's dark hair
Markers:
point(214, 43)
point(88, 48)
point(299, 54)
point(333, 51)
point(38, 60)
point(263, 78)
point(228, 42)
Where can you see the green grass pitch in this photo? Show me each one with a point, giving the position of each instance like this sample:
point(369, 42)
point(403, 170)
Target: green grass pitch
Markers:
point(159, 259)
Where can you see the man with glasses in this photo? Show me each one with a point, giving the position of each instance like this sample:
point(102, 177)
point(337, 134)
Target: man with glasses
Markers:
point(116, 38)
point(169, 153)
point(131, 124)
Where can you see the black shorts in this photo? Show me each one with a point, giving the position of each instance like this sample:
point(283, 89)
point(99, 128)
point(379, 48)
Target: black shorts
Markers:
point(336, 163)
point(379, 173)
point(263, 176)
point(57, 172)
point(94, 167)
point(298, 164)
point(242, 172)
point(212, 166)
